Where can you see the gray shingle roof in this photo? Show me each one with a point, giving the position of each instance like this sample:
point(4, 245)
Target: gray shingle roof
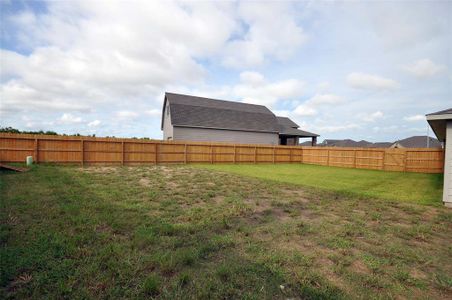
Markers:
point(381, 145)
point(346, 143)
point(285, 121)
point(192, 111)
point(442, 112)
point(419, 142)
point(289, 127)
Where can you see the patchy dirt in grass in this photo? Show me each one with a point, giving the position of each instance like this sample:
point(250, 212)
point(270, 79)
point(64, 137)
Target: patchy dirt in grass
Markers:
point(99, 169)
point(145, 182)
point(359, 267)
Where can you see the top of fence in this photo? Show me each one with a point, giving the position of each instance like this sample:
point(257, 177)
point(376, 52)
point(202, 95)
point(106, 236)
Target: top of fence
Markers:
point(224, 144)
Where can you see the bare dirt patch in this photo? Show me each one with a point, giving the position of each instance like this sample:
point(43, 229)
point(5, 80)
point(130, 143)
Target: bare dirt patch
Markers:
point(99, 169)
point(144, 182)
point(359, 267)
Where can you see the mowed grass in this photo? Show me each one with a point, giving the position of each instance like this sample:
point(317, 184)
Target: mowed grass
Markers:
point(176, 232)
point(397, 186)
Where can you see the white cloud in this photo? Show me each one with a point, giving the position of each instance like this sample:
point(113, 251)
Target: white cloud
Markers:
point(424, 68)
point(323, 86)
point(401, 26)
point(126, 115)
point(310, 106)
point(386, 129)
point(336, 128)
point(305, 110)
point(252, 78)
point(253, 88)
point(371, 117)
point(154, 112)
point(94, 123)
point(68, 118)
point(370, 82)
point(414, 118)
point(271, 30)
point(75, 65)
point(320, 99)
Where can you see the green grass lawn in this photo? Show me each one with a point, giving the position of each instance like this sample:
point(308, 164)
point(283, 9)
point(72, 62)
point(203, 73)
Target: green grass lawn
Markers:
point(183, 232)
point(410, 187)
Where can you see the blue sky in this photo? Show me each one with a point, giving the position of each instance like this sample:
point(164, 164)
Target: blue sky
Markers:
point(341, 69)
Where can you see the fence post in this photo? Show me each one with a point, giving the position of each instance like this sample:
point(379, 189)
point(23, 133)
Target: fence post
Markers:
point(273, 154)
point(327, 157)
point(302, 155)
point(36, 150)
point(384, 158)
point(354, 159)
point(290, 155)
point(255, 154)
point(405, 161)
point(122, 153)
point(235, 153)
point(185, 154)
point(156, 156)
point(211, 154)
point(82, 142)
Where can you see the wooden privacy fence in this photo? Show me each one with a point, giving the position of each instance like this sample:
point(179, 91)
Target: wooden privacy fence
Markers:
point(90, 150)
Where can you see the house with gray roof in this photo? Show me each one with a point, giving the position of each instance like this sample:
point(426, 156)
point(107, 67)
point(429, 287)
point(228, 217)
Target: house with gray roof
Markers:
point(192, 118)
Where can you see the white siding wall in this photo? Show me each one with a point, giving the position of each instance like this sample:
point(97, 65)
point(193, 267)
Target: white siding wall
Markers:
point(218, 135)
point(447, 193)
point(167, 126)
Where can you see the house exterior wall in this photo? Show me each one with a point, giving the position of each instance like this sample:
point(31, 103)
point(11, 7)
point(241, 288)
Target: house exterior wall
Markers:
point(167, 126)
point(220, 135)
point(447, 192)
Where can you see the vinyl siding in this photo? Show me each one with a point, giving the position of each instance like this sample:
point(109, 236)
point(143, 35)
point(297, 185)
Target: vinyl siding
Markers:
point(167, 126)
point(447, 193)
point(218, 135)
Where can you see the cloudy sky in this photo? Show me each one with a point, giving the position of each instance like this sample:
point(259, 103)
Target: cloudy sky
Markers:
point(341, 69)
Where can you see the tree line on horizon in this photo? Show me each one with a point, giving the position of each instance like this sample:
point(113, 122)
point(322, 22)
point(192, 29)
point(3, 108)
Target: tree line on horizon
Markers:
point(10, 129)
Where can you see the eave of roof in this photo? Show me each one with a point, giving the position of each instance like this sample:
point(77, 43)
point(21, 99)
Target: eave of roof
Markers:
point(297, 132)
point(441, 112)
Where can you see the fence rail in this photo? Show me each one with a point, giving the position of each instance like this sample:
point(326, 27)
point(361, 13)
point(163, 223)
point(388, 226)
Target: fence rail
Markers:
point(90, 150)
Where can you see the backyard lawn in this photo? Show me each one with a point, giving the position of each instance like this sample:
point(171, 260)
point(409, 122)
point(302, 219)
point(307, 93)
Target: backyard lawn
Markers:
point(410, 187)
point(172, 232)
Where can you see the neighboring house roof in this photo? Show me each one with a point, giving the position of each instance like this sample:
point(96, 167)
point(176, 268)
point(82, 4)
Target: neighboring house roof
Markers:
point(438, 121)
point(381, 145)
point(418, 142)
point(345, 143)
point(192, 111)
point(289, 127)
